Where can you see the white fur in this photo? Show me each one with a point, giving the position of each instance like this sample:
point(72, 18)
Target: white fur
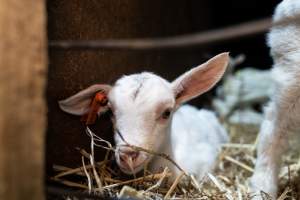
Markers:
point(196, 138)
point(282, 115)
point(192, 138)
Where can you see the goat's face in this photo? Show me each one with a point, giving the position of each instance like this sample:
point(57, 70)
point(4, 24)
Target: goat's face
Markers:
point(142, 107)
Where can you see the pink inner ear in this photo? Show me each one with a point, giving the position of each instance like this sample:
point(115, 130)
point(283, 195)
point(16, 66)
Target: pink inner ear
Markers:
point(200, 79)
point(196, 85)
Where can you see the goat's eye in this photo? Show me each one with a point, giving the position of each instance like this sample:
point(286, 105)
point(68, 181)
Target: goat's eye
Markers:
point(166, 114)
point(110, 112)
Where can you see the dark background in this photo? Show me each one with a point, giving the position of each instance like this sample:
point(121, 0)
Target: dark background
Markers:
point(71, 71)
point(229, 12)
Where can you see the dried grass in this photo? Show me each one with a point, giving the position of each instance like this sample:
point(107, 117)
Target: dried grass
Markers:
point(229, 181)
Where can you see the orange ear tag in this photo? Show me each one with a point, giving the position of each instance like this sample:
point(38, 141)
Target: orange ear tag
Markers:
point(99, 100)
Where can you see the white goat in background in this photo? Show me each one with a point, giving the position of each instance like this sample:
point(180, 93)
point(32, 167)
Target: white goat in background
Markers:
point(147, 113)
point(282, 115)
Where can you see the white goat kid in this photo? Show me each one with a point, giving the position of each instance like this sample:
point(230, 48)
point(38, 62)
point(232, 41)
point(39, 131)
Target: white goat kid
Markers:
point(147, 113)
point(282, 115)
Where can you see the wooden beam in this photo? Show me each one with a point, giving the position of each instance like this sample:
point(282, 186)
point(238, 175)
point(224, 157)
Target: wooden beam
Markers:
point(192, 40)
point(23, 68)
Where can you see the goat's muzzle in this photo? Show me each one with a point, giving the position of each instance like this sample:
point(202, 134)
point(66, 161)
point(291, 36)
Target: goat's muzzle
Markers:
point(129, 160)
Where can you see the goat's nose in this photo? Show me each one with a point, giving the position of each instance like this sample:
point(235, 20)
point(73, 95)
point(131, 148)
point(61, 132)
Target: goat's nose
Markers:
point(127, 154)
point(130, 161)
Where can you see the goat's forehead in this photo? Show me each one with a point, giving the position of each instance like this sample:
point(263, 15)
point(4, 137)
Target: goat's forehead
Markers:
point(144, 87)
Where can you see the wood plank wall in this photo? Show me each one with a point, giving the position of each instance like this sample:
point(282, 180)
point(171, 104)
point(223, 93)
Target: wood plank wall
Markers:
point(23, 68)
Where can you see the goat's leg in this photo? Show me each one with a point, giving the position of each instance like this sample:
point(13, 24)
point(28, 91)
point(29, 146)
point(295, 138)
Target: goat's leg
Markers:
point(281, 117)
point(270, 148)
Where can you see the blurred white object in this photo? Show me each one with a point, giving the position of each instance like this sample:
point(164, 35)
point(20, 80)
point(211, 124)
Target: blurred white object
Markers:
point(282, 115)
point(197, 137)
point(246, 88)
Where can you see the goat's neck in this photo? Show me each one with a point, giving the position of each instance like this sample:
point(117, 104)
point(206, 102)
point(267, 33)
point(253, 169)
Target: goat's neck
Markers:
point(167, 147)
point(159, 162)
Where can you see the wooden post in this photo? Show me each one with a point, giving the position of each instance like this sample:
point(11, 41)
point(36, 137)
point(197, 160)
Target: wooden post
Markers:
point(23, 64)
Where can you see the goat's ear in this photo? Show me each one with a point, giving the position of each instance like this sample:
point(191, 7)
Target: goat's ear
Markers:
point(200, 79)
point(79, 104)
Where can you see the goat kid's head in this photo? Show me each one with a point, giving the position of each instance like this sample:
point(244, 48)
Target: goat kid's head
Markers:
point(143, 105)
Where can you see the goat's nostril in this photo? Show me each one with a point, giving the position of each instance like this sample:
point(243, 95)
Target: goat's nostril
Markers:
point(123, 157)
point(128, 156)
point(133, 155)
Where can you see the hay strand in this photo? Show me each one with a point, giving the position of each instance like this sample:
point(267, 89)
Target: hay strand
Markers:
point(175, 183)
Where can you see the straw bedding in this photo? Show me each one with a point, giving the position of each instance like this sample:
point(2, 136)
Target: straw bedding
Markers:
point(229, 180)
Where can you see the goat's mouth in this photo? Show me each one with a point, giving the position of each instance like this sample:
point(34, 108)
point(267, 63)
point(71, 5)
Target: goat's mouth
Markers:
point(130, 167)
point(132, 170)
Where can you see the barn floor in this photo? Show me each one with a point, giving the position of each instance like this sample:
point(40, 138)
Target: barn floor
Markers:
point(229, 181)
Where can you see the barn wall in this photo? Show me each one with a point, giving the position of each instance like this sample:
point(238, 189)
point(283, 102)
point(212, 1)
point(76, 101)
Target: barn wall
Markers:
point(23, 63)
point(70, 72)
